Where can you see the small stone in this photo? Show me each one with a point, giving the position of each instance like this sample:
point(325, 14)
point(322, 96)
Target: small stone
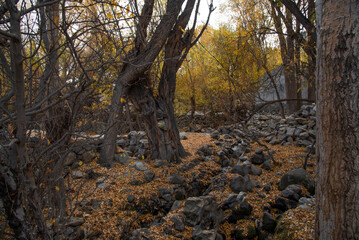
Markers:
point(70, 159)
point(123, 158)
point(241, 169)
point(257, 159)
point(267, 165)
point(180, 194)
point(149, 176)
point(199, 234)
point(261, 195)
point(297, 176)
point(284, 204)
point(250, 185)
point(308, 201)
point(267, 187)
point(193, 210)
point(99, 181)
point(183, 135)
point(87, 157)
point(238, 184)
point(135, 182)
point(140, 166)
point(176, 205)
point(304, 135)
point(121, 142)
point(159, 163)
point(304, 206)
point(240, 211)
point(243, 159)
point(176, 179)
point(255, 170)
point(178, 222)
point(290, 194)
point(102, 185)
point(268, 222)
point(77, 175)
point(130, 198)
point(290, 131)
point(259, 151)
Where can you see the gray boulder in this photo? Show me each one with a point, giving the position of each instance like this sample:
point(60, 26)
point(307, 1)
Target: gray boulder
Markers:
point(193, 210)
point(123, 158)
point(176, 179)
point(70, 159)
point(268, 222)
point(258, 159)
point(297, 176)
point(238, 184)
point(255, 170)
point(178, 222)
point(199, 234)
point(266, 165)
point(140, 166)
point(291, 192)
point(240, 211)
point(242, 169)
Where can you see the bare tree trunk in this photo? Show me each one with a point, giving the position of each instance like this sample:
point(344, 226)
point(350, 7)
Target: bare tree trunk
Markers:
point(160, 125)
point(158, 113)
point(16, 180)
point(289, 67)
point(16, 212)
point(57, 118)
point(298, 74)
point(113, 126)
point(139, 61)
point(311, 52)
point(309, 47)
point(337, 204)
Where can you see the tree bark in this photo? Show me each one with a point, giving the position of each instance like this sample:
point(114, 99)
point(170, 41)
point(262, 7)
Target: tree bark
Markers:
point(337, 204)
point(289, 67)
point(310, 49)
point(161, 129)
point(138, 61)
point(287, 53)
point(16, 212)
point(158, 112)
point(16, 179)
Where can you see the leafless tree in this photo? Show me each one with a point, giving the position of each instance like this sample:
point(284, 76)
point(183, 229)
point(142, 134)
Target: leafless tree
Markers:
point(169, 35)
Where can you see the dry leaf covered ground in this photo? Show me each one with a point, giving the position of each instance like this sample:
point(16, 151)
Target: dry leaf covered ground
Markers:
point(114, 213)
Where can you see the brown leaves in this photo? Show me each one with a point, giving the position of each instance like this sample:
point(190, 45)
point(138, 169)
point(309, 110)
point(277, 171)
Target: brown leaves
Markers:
point(109, 219)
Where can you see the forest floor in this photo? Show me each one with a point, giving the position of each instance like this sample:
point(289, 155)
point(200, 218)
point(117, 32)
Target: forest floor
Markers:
point(114, 213)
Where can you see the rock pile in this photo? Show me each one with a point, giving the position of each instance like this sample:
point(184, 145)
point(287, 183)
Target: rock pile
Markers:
point(190, 202)
point(298, 127)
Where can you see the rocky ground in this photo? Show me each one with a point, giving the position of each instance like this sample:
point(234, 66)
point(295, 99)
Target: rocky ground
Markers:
point(239, 182)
